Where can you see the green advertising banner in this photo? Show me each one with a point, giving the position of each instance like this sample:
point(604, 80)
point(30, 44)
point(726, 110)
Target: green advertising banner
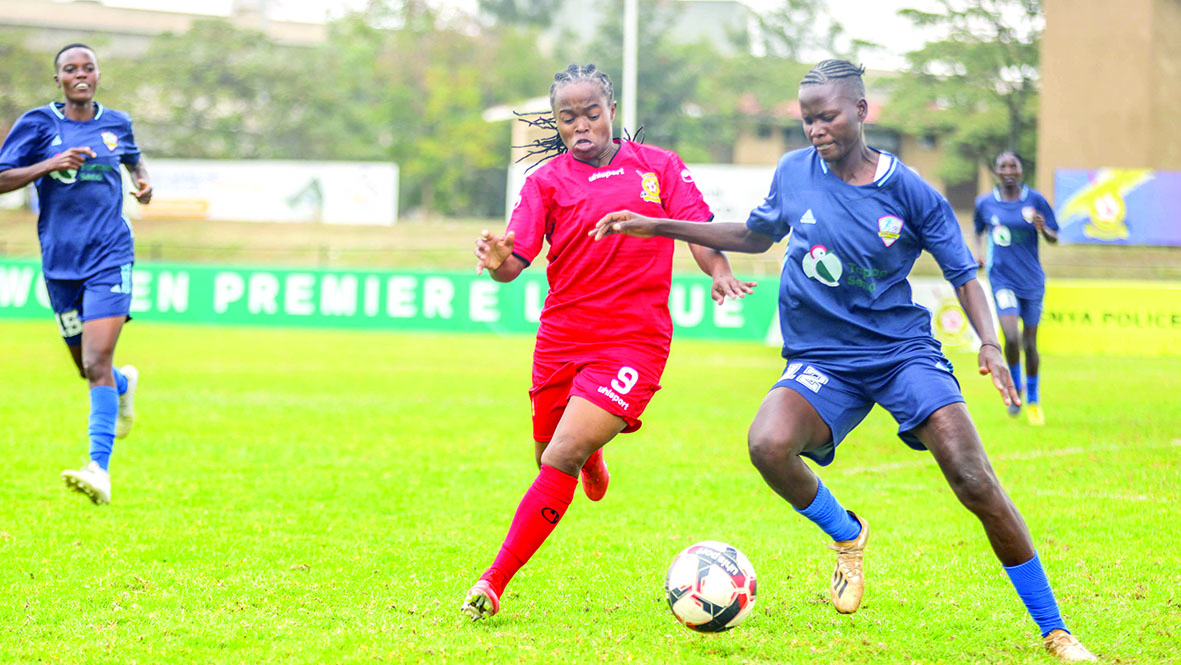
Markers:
point(1142, 318)
point(371, 299)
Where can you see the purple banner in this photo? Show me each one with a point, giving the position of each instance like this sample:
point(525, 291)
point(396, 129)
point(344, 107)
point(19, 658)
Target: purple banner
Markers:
point(1119, 206)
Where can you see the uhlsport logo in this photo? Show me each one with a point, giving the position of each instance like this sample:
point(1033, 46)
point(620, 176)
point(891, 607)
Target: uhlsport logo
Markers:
point(686, 176)
point(650, 187)
point(889, 229)
point(823, 266)
point(110, 140)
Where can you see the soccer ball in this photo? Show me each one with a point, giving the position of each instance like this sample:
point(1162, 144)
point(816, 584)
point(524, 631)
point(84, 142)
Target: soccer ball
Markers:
point(710, 587)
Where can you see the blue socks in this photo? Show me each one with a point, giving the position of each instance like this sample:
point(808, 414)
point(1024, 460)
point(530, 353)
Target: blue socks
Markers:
point(1031, 390)
point(120, 381)
point(104, 408)
point(830, 516)
point(1015, 372)
point(1034, 589)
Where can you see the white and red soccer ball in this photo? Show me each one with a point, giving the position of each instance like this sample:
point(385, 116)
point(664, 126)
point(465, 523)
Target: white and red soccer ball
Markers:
point(710, 587)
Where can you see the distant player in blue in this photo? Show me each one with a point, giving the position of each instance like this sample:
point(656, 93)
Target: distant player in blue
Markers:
point(853, 337)
point(72, 152)
point(1012, 216)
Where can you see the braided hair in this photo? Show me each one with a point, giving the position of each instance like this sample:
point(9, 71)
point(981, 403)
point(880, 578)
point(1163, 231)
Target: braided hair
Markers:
point(551, 145)
point(842, 71)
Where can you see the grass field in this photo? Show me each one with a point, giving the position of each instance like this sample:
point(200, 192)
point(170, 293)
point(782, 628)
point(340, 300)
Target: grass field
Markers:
point(328, 497)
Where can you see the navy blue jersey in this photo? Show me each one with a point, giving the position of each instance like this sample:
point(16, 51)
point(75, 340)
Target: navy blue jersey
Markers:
point(1012, 239)
point(843, 291)
point(82, 226)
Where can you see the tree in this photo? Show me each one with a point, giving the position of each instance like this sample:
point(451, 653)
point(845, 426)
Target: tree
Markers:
point(538, 13)
point(977, 88)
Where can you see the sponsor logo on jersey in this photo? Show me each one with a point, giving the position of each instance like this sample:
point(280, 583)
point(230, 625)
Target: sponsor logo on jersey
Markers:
point(110, 140)
point(823, 266)
point(808, 218)
point(64, 176)
point(686, 175)
point(604, 174)
point(889, 229)
point(649, 187)
point(1001, 236)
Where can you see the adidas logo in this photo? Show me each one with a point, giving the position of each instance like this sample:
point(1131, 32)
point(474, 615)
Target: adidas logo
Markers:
point(116, 289)
point(808, 218)
point(57, 140)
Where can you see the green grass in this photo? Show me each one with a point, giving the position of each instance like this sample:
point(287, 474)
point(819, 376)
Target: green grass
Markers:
point(328, 497)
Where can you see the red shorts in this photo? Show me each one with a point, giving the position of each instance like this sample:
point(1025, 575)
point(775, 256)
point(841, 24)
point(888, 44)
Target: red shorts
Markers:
point(620, 387)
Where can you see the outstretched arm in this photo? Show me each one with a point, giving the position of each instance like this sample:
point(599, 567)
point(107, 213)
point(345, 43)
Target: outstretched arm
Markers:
point(990, 360)
point(726, 236)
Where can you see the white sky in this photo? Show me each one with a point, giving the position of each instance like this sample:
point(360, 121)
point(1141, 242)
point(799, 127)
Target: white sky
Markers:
point(870, 20)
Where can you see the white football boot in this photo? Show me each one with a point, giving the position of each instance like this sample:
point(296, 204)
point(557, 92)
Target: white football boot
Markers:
point(91, 480)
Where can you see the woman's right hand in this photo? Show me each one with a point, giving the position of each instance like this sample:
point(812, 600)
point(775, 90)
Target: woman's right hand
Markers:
point(624, 222)
point(72, 158)
point(492, 250)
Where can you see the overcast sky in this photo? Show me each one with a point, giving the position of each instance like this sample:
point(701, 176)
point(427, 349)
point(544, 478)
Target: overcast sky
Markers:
point(870, 20)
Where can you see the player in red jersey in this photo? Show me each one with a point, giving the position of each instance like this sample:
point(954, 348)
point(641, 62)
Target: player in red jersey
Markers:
point(605, 327)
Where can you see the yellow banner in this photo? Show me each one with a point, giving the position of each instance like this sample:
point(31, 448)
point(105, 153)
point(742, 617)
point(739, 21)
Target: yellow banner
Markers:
point(1111, 318)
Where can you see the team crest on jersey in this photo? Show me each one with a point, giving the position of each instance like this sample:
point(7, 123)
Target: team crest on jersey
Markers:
point(110, 140)
point(650, 187)
point(889, 229)
point(823, 266)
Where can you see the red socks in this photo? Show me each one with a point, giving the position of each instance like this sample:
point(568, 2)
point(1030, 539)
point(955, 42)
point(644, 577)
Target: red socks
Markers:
point(544, 504)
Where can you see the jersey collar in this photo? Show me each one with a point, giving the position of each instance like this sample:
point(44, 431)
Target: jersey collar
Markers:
point(996, 193)
point(57, 107)
point(877, 182)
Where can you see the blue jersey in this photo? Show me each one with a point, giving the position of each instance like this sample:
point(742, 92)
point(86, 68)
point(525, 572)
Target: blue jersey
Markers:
point(1012, 239)
point(82, 226)
point(843, 291)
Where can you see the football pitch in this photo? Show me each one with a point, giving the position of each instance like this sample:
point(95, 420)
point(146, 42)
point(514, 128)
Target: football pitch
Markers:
point(328, 497)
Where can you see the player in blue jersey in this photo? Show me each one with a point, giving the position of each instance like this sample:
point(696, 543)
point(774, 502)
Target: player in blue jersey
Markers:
point(853, 337)
point(72, 152)
point(1013, 216)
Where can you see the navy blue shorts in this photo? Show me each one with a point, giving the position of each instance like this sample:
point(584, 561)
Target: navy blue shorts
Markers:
point(1009, 303)
point(104, 294)
point(911, 388)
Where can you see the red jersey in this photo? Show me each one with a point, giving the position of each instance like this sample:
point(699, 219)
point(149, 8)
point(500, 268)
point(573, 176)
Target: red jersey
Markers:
point(614, 291)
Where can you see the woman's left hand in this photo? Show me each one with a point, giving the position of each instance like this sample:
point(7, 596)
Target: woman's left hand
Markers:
point(729, 286)
point(144, 193)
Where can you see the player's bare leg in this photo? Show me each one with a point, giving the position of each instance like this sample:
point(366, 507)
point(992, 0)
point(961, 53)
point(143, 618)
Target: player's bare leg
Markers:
point(583, 429)
point(955, 444)
point(785, 426)
point(1011, 332)
point(95, 354)
point(1032, 365)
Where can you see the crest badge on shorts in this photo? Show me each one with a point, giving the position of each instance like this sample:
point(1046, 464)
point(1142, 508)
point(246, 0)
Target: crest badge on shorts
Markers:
point(889, 229)
point(110, 140)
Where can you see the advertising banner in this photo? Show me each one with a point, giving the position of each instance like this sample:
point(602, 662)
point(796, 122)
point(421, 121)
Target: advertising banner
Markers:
point(272, 191)
point(1119, 206)
point(1112, 318)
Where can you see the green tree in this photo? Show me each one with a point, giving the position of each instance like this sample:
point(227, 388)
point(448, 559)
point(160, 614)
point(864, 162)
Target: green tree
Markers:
point(977, 87)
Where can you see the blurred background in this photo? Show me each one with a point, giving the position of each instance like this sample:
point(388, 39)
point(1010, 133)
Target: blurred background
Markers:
point(383, 128)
